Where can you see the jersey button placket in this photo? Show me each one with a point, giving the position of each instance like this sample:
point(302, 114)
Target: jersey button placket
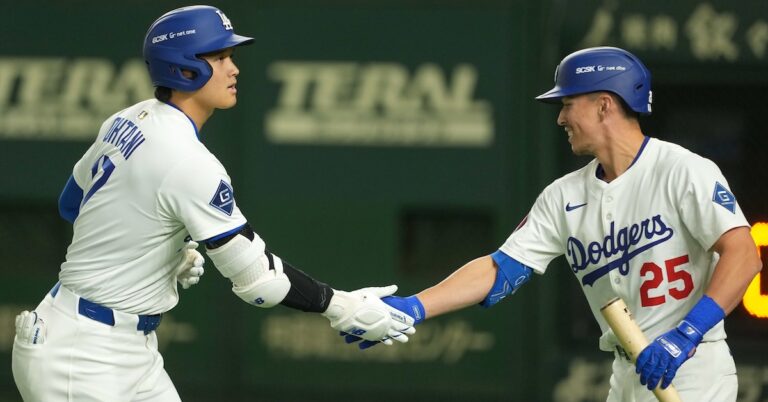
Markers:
point(607, 200)
point(608, 207)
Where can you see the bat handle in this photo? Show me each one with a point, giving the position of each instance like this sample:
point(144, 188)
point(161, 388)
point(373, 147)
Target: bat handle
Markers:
point(668, 394)
point(632, 340)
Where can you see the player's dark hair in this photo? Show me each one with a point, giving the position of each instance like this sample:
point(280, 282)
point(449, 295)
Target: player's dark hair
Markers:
point(628, 112)
point(631, 114)
point(163, 94)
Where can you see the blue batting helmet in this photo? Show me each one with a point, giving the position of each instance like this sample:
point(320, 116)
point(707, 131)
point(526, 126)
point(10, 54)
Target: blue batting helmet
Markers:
point(174, 41)
point(603, 69)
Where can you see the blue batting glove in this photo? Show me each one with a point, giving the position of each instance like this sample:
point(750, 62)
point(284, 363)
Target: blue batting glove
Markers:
point(666, 354)
point(663, 357)
point(409, 305)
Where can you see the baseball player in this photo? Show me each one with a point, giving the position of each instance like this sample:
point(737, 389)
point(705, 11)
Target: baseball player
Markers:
point(645, 220)
point(140, 199)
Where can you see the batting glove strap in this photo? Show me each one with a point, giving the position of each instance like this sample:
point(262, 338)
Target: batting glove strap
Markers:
point(702, 317)
point(410, 305)
point(690, 332)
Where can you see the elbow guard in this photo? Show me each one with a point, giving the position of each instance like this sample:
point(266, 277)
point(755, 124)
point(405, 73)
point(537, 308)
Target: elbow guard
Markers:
point(510, 276)
point(257, 276)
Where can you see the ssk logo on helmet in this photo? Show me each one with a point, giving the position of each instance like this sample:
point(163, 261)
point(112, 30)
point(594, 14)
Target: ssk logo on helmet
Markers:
point(592, 69)
point(173, 35)
point(585, 69)
point(225, 21)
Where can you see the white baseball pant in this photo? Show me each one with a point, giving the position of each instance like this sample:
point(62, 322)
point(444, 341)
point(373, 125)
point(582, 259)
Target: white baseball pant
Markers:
point(83, 359)
point(710, 375)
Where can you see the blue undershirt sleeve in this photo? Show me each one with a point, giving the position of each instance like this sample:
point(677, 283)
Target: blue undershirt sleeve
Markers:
point(69, 200)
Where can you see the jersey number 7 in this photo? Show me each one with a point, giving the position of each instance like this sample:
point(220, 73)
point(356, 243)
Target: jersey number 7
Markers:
point(100, 172)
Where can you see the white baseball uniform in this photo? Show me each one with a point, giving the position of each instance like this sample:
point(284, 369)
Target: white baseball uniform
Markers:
point(148, 183)
point(645, 237)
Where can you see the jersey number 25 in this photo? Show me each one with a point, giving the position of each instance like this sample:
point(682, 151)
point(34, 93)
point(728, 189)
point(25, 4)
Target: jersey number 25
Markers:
point(674, 273)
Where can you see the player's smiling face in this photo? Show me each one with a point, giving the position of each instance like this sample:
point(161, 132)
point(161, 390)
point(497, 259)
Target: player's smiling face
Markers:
point(220, 91)
point(579, 118)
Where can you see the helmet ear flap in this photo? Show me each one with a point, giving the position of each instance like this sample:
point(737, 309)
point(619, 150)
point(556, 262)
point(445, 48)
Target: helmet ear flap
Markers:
point(207, 67)
point(185, 72)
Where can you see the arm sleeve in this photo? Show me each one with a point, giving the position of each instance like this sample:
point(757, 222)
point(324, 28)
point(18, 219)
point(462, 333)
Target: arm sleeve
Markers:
point(72, 195)
point(707, 205)
point(69, 200)
point(510, 276)
point(306, 294)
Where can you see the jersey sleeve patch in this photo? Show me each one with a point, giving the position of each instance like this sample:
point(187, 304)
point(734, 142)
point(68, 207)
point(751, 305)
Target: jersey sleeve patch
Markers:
point(224, 198)
point(723, 197)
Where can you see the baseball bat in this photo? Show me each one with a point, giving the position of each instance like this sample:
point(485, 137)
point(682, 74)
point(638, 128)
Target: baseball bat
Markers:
point(632, 339)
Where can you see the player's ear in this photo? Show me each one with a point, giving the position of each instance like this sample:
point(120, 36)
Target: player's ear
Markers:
point(604, 103)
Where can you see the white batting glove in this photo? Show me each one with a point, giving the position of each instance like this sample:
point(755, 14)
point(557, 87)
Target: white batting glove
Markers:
point(190, 269)
point(362, 313)
point(30, 328)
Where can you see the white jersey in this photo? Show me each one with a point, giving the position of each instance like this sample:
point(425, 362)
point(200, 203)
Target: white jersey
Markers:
point(644, 236)
point(148, 183)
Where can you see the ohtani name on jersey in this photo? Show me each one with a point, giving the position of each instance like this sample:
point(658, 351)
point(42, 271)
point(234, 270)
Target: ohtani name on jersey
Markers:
point(125, 135)
point(653, 229)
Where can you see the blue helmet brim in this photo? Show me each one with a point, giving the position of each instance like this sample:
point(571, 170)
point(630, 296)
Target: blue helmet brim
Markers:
point(226, 43)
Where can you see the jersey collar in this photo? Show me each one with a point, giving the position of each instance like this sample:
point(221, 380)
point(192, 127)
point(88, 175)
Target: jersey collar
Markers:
point(600, 173)
point(169, 103)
